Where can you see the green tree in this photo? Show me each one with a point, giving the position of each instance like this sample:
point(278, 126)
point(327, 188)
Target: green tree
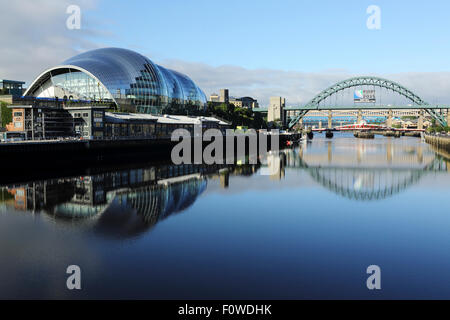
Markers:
point(6, 114)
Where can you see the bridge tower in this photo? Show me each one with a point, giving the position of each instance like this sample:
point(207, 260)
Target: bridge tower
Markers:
point(389, 119)
point(420, 120)
point(330, 119)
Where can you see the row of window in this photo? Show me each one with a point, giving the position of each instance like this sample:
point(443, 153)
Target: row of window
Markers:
point(123, 130)
point(78, 115)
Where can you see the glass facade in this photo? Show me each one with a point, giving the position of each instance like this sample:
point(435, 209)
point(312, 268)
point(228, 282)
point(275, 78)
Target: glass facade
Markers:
point(124, 76)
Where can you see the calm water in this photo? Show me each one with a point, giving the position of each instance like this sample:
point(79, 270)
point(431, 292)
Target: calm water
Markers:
point(303, 224)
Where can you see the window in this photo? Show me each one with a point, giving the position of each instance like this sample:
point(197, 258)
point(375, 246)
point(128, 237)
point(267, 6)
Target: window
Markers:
point(85, 114)
point(17, 124)
point(17, 114)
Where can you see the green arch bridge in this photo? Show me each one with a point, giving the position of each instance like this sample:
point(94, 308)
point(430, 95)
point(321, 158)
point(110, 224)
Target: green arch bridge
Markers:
point(435, 111)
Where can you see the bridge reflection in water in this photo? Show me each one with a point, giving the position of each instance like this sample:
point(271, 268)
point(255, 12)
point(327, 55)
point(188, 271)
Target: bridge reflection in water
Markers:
point(125, 203)
point(364, 169)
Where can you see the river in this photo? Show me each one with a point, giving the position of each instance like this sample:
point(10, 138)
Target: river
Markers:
point(302, 224)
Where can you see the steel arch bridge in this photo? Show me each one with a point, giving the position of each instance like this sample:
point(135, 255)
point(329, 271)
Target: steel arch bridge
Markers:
point(417, 102)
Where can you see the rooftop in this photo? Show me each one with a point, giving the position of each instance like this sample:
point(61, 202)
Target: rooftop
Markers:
point(12, 81)
point(166, 119)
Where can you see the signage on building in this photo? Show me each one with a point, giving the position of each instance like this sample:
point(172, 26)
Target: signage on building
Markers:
point(364, 96)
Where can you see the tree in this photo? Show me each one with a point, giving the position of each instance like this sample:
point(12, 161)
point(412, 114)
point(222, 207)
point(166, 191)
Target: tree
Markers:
point(6, 114)
point(236, 115)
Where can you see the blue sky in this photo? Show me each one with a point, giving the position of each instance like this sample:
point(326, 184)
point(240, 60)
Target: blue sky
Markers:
point(284, 34)
point(262, 48)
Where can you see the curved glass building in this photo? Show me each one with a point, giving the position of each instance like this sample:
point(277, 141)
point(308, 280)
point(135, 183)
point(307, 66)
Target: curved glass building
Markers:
point(128, 79)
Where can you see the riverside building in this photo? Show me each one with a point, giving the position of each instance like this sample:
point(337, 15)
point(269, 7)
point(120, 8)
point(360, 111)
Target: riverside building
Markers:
point(76, 98)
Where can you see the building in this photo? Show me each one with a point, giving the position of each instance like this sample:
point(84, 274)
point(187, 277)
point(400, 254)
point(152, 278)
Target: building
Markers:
point(123, 78)
point(244, 102)
point(214, 98)
point(223, 97)
point(276, 110)
point(11, 87)
point(43, 120)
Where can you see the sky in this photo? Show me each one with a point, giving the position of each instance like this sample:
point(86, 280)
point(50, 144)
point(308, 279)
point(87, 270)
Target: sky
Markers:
point(264, 48)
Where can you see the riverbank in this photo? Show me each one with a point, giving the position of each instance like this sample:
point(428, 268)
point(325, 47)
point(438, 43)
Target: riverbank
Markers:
point(52, 154)
point(439, 141)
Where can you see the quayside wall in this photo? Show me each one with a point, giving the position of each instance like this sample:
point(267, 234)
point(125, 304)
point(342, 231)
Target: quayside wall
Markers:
point(68, 153)
point(439, 141)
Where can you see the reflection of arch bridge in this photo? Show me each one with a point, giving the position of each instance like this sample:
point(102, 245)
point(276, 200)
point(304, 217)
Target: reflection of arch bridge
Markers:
point(363, 182)
point(416, 101)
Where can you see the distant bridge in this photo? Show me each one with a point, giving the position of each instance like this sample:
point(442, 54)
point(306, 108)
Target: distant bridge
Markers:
point(416, 102)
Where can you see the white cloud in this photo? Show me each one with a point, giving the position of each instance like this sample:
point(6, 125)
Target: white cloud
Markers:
point(299, 87)
point(35, 36)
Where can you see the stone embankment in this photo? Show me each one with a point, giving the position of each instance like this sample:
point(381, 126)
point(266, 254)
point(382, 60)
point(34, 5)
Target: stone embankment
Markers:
point(440, 141)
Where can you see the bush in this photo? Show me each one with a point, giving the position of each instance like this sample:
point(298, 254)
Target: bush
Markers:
point(236, 115)
point(6, 114)
point(438, 129)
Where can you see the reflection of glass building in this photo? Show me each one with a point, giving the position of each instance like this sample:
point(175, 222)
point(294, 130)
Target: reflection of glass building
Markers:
point(124, 77)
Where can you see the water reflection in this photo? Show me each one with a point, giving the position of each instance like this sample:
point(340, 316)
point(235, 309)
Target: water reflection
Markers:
point(120, 203)
point(366, 169)
point(127, 202)
point(272, 230)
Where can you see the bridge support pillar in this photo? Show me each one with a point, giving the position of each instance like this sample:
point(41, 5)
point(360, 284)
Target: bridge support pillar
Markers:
point(360, 118)
point(389, 119)
point(420, 120)
point(320, 124)
point(448, 117)
point(330, 119)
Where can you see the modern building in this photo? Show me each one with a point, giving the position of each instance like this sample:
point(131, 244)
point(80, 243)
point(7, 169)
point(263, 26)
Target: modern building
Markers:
point(46, 122)
point(11, 87)
point(121, 77)
point(41, 122)
point(276, 110)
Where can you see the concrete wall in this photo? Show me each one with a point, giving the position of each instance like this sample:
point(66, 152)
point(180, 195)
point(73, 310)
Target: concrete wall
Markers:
point(438, 141)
